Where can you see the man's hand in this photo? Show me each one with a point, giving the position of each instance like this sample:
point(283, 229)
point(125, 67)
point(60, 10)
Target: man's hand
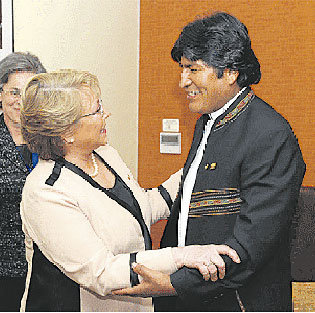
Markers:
point(154, 284)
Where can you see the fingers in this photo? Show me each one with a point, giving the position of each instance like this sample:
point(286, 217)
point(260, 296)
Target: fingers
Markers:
point(216, 266)
point(141, 270)
point(209, 271)
point(125, 291)
point(146, 273)
point(204, 271)
point(220, 265)
point(221, 272)
point(137, 268)
point(224, 249)
point(219, 262)
point(213, 272)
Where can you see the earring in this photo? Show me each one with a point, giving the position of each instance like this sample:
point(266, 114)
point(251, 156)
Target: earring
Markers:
point(71, 140)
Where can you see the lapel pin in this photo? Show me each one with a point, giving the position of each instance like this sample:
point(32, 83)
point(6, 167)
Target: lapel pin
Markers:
point(211, 166)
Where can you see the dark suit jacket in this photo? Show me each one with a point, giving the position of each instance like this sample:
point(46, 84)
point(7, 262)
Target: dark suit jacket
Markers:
point(245, 193)
point(13, 172)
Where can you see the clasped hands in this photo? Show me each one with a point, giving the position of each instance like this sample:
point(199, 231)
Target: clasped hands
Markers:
point(205, 258)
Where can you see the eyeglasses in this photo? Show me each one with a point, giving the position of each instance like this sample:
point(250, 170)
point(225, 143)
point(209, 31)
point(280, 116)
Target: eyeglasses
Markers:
point(15, 93)
point(100, 110)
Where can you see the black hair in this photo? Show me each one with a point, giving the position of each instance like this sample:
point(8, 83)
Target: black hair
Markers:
point(221, 41)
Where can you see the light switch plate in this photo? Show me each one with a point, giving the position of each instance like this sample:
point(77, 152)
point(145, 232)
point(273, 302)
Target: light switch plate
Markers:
point(170, 125)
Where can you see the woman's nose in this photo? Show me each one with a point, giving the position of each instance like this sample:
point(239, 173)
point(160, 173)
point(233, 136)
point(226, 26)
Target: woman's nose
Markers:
point(18, 100)
point(184, 78)
point(106, 114)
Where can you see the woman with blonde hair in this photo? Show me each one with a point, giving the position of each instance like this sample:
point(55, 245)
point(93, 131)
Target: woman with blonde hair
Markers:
point(84, 216)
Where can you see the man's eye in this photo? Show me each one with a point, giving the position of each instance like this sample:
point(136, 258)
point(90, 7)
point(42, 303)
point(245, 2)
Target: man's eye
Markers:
point(193, 70)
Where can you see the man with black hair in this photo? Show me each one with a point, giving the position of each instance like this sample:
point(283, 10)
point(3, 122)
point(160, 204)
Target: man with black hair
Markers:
point(240, 183)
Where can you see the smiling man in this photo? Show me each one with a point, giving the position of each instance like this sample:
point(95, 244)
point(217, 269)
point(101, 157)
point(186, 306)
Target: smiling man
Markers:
point(240, 182)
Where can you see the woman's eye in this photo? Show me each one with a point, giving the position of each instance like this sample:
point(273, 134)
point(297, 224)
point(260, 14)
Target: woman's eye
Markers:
point(14, 92)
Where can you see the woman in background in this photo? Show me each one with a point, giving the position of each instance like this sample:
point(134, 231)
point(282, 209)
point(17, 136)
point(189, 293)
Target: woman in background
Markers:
point(85, 217)
point(16, 161)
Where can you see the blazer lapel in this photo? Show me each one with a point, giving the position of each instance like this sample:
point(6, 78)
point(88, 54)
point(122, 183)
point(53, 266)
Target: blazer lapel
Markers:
point(134, 209)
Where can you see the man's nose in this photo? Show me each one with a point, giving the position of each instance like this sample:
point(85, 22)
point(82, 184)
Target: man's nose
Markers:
point(184, 78)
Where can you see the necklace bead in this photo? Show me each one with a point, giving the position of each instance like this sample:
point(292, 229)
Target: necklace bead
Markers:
point(95, 173)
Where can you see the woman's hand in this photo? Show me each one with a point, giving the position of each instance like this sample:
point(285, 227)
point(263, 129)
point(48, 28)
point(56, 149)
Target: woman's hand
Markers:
point(205, 258)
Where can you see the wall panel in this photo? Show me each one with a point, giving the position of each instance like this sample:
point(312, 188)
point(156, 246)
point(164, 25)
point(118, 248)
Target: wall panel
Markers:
point(100, 36)
point(281, 33)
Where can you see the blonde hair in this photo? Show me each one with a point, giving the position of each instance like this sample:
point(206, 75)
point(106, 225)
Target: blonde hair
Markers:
point(51, 105)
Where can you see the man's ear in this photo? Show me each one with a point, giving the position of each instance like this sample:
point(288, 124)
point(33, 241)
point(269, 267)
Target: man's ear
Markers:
point(230, 75)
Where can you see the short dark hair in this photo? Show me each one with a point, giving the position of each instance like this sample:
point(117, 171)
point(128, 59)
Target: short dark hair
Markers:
point(19, 62)
point(221, 41)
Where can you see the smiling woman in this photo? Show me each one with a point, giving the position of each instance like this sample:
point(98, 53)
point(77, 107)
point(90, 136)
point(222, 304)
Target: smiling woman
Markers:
point(16, 161)
point(11, 101)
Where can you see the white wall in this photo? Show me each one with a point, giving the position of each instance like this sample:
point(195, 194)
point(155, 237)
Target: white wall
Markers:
point(100, 36)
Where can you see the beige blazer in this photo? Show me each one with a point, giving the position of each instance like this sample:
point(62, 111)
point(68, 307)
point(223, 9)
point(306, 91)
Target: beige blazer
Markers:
point(89, 236)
